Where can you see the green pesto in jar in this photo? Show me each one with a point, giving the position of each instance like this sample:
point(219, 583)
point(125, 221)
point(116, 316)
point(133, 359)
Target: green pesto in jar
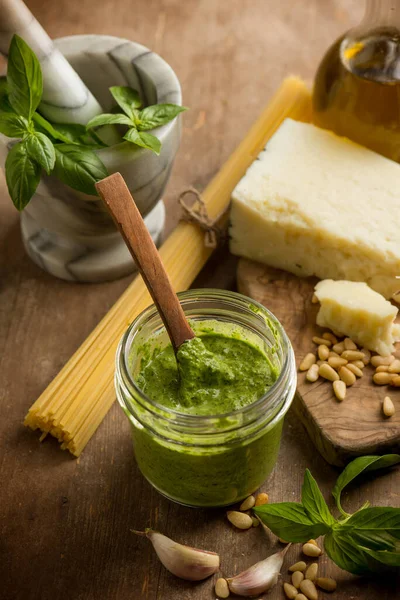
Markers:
point(223, 369)
point(213, 373)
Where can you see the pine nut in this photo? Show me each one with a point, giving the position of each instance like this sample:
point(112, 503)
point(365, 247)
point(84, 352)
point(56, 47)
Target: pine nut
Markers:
point(349, 344)
point(336, 363)
point(388, 407)
point(347, 376)
point(395, 366)
point(333, 354)
point(323, 352)
point(382, 378)
point(311, 550)
point(313, 373)
point(261, 499)
point(308, 588)
point(239, 519)
point(222, 588)
point(301, 597)
point(339, 348)
point(357, 372)
point(299, 566)
point(329, 336)
point(314, 299)
point(247, 503)
point(358, 363)
point(297, 578)
point(307, 361)
point(395, 381)
point(256, 522)
point(339, 389)
point(312, 542)
point(320, 340)
point(328, 373)
point(312, 571)
point(290, 591)
point(322, 362)
point(352, 354)
point(367, 356)
point(377, 361)
point(382, 369)
point(326, 583)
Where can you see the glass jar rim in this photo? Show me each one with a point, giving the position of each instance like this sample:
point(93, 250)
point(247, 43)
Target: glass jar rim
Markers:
point(253, 307)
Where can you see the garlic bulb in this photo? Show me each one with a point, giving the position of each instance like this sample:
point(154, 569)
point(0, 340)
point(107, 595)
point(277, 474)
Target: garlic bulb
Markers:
point(185, 562)
point(259, 578)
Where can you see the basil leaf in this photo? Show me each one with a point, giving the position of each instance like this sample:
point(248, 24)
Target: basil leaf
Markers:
point(5, 105)
point(78, 167)
point(3, 85)
point(41, 124)
point(375, 540)
point(12, 125)
point(145, 140)
point(127, 98)
point(386, 557)
point(92, 139)
point(22, 175)
point(159, 114)
point(289, 521)
point(24, 78)
point(358, 466)
point(108, 119)
point(3, 91)
point(72, 131)
point(346, 553)
point(375, 518)
point(40, 149)
point(313, 501)
point(69, 133)
point(344, 549)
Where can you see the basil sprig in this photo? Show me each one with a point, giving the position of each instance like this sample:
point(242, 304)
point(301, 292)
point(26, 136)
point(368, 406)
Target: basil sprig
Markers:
point(138, 121)
point(368, 540)
point(43, 146)
point(66, 149)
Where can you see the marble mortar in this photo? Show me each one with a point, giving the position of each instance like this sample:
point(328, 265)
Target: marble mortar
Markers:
point(70, 234)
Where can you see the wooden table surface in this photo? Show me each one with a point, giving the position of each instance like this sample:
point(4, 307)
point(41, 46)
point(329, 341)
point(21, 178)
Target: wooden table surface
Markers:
point(64, 530)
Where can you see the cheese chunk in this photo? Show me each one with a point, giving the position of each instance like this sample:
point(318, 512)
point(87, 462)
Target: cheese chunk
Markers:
point(317, 204)
point(352, 309)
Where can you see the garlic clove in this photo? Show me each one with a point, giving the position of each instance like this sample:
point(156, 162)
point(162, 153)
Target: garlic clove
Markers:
point(185, 562)
point(259, 578)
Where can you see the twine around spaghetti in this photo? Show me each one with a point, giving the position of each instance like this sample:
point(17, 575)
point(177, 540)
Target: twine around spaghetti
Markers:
point(197, 213)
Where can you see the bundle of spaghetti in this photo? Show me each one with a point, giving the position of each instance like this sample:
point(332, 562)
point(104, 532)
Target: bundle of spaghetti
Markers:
point(77, 400)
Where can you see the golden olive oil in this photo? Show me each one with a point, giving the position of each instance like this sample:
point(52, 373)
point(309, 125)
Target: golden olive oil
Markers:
point(357, 90)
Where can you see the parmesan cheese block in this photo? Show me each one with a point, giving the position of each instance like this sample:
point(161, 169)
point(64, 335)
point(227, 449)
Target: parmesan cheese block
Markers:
point(352, 309)
point(317, 204)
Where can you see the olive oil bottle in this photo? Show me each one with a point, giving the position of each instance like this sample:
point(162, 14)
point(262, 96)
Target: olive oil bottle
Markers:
point(357, 85)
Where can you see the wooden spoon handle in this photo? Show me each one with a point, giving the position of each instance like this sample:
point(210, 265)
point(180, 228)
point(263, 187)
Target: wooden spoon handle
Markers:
point(118, 199)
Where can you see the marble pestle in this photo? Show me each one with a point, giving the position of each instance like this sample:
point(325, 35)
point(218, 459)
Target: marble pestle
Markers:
point(66, 99)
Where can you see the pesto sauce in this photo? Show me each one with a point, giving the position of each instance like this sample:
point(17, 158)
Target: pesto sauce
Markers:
point(212, 374)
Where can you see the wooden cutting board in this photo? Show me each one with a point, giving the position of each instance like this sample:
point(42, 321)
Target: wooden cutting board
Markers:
point(340, 431)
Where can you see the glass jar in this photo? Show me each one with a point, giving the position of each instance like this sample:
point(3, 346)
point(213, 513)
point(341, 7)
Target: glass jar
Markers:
point(207, 460)
point(357, 85)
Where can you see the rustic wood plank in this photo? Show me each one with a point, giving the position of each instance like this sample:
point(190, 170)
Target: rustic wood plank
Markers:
point(340, 431)
point(64, 523)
